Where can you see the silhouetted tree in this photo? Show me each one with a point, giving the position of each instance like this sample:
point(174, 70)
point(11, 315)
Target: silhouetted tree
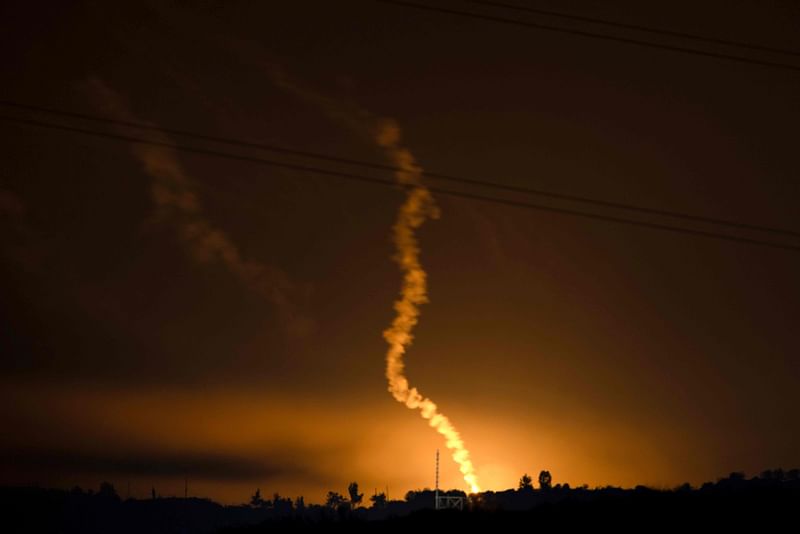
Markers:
point(108, 492)
point(256, 500)
point(525, 482)
point(334, 500)
point(729, 501)
point(776, 475)
point(545, 480)
point(282, 506)
point(736, 475)
point(355, 497)
point(153, 492)
point(378, 500)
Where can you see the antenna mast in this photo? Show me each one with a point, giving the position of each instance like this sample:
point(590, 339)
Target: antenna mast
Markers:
point(446, 501)
point(437, 479)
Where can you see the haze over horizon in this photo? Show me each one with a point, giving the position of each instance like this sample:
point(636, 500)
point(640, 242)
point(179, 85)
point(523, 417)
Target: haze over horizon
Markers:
point(170, 315)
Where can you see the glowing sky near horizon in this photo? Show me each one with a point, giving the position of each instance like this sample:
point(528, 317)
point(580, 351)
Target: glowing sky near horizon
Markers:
point(224, 322)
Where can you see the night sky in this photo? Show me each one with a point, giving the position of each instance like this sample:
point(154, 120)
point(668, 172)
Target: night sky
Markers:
point(168, 315)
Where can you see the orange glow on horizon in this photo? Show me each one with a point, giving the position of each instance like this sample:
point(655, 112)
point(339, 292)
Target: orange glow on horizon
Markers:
point(375, 444)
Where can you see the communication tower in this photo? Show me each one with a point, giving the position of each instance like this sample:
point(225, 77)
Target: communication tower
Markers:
point(446, 501)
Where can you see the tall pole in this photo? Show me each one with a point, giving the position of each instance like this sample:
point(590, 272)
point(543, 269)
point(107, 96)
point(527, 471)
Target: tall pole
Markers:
point(436, 505)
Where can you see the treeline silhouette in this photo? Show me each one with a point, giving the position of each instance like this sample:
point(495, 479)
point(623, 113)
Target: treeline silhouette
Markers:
point(771, 499)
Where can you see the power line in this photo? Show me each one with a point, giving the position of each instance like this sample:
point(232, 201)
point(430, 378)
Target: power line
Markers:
point(594, 35)
point(637, 27)
point(366, 179)
point(194, 150)
point(378, 166)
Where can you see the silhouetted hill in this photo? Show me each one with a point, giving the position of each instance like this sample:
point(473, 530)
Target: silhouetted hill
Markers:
point(771, 500)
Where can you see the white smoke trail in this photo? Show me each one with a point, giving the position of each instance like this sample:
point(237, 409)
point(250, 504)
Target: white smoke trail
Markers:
point(418, 206)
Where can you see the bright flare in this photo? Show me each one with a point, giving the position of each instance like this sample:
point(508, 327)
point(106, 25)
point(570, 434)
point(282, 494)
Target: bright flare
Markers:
point(418, 206)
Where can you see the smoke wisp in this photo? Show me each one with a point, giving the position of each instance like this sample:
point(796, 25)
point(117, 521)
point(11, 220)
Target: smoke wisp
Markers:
point(415, 210)
point(175, 199)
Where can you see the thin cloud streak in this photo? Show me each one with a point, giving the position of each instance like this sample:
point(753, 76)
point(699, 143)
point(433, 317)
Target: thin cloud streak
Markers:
point(176, 200)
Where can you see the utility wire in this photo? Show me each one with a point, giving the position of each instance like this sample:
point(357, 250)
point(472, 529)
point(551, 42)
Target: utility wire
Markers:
point(438, 190)
point(378, 166)
point(594, 35)
point(194, 150)
point(637, 27)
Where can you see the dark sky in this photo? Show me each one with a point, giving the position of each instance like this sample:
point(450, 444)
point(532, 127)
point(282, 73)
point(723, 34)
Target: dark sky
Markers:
point(231, 330)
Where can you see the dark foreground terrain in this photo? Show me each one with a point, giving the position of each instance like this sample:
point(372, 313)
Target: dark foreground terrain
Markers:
point(765, 502)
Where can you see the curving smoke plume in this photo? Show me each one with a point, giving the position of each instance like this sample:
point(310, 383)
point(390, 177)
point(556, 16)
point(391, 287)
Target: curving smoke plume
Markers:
point(418, 206)
point(174, 196)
